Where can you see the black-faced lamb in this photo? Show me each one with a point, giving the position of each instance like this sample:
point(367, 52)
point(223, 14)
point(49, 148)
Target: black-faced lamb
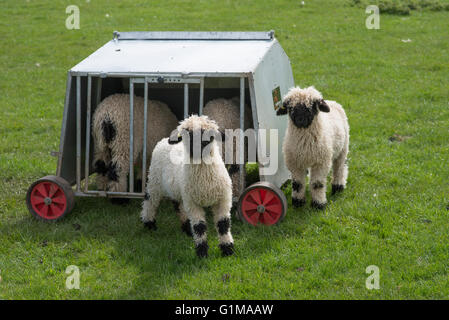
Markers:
point(317, 137)
point(192, 174)
point(111, 137)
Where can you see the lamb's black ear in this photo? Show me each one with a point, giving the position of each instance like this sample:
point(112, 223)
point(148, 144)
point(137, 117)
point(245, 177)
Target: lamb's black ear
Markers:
point(282, 109)
point(175, 137)
point(322, 105)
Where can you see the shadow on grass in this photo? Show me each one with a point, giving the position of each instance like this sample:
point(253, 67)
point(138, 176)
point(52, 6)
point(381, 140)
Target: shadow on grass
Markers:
point(159, 259)
point(99, 235)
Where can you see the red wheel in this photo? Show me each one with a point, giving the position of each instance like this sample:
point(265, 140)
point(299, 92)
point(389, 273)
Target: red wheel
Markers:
point(50, 198)
point(262, 202)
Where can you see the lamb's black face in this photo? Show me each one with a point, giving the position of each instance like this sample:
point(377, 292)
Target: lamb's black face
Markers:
point(196, 141)
point(197, 144)
point(301, 115)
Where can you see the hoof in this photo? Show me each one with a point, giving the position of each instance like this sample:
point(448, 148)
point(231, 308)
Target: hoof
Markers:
point(227, 249)
point(319, 206)
point(186, 228)
point(298, 202)
point(151, 225)
point(337, 188)
point(201, 249)
point(120, 201)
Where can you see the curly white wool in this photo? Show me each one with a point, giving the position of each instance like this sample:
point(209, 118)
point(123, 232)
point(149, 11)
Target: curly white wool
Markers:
point(192, 185)
point(320, 146)
point(111, 137)
point(226, 112)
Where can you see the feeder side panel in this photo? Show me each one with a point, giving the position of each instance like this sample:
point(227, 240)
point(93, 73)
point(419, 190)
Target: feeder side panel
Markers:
point(67, 148)
point(273, 77)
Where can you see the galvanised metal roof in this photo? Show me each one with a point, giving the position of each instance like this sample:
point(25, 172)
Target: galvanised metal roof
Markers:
point(205, 53)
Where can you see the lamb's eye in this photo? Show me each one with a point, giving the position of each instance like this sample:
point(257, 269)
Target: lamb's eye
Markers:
point(204, 143)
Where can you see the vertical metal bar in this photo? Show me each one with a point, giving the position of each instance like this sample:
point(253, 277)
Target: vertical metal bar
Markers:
point(242, 137)
point(145, 117)
point(99, 84)
point(201, 96)
point(131, 135)
point(255, 118)
point(78, 133)
point(252, 96)
point(186, 100)
point(88, 112)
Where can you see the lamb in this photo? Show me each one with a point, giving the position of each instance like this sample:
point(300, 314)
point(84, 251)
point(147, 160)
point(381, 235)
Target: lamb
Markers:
point(226, 112)
point(176, 172)
point(111, 137)
point(317, 137)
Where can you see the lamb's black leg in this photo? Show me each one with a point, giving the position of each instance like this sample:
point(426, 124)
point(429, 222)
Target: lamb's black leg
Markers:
point(298, 194)
point(199, 235)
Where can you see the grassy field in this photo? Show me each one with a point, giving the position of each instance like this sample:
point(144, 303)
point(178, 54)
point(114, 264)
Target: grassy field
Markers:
point(394, 213)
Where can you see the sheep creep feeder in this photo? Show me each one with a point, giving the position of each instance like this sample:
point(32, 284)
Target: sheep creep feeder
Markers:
point(185, 70)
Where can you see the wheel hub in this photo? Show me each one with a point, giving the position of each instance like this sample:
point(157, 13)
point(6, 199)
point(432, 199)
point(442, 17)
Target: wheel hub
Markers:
point(47, 199)
point(262, 203)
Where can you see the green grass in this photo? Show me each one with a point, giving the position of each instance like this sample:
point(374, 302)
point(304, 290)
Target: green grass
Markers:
point(394, 213)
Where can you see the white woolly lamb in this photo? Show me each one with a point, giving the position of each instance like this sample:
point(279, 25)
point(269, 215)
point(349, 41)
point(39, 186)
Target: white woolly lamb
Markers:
point(111, 137)
point(226, 112)
point(317, 137)
point(180, 173)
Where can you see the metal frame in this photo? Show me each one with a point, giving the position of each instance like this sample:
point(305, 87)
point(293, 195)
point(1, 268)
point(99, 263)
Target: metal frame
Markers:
point(131, 135)
point(84, 76)
point(242, 136)
point(145, 79)
point(78, 133)
point(64, 121)
point(185, 76)
point(85, 192)
point(88, 116)
point(193, 35)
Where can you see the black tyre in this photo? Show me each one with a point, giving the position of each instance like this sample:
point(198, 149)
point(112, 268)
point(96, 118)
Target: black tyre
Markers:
point(50, 198)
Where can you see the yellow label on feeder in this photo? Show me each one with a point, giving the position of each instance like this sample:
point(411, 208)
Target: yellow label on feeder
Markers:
point(277, 100)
